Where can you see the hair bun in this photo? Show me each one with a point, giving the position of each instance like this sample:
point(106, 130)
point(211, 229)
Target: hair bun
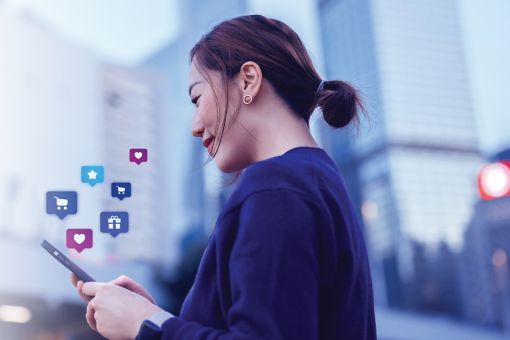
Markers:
point(339, 102)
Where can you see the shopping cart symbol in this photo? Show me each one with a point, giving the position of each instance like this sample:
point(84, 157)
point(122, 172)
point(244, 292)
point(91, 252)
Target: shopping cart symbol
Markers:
point(61, 203)
point(121, 190)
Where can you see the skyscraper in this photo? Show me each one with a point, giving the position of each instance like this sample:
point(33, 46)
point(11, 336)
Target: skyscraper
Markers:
point(57, 114)
point(131, 114)
point(194, 189)
point(411, 168)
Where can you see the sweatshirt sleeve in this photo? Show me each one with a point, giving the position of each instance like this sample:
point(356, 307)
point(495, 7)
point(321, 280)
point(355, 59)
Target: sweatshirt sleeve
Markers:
point(274, 273)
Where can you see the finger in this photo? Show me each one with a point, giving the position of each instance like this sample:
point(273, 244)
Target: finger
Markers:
point(126, 282)
point(132, 285)
point(150, 298)
point(91, 320)
point(84, 297)
point(123, 281)
point(74, 279)
point(90, 288)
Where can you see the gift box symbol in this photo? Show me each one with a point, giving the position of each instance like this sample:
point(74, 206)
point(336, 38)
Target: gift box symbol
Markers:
point(114, 222)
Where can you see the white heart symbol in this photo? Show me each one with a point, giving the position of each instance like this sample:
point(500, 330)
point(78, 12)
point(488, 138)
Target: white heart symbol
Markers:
point(138, 155)
point(79, 238)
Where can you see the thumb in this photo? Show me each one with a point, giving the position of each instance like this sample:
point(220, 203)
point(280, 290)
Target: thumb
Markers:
point(90, 288)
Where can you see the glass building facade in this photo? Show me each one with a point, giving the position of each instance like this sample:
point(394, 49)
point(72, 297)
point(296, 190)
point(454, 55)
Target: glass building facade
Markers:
point(412, 167)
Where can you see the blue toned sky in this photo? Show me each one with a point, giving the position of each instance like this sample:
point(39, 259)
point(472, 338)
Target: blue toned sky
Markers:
point(126, 31)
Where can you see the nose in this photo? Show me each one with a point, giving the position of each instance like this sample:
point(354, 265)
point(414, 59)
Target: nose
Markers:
point(198, 128)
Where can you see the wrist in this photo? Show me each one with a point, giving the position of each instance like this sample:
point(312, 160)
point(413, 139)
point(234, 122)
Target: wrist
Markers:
point(145, 314)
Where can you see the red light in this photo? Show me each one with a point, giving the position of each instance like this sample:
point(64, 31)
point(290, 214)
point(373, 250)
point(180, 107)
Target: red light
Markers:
point(494, 180)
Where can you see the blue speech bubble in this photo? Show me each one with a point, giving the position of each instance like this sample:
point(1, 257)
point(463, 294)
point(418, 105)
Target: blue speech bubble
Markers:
point(121, 190)
point(61, 203)
point(92, 174)
point(114, 222)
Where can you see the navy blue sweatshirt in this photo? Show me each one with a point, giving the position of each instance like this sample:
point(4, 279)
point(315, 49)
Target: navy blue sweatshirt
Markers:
point(286, 259)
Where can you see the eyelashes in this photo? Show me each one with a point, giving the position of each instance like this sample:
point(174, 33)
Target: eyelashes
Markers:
point(195, 100)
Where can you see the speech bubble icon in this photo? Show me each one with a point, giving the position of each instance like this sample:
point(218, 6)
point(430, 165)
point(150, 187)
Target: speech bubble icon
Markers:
point(79, 239)
point(92, 174)
point(61, 203)
point(114, 222)
point(121, 190)
point(138, 156)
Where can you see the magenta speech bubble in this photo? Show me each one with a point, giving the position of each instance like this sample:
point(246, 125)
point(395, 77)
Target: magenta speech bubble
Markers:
point(79, 239)
point(138, 156)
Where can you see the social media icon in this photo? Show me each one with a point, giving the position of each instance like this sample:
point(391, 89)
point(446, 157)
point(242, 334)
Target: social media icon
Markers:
point(79, 239)
point(114, 222)
point(92, 174)
point(61, 203)
point(121, 190)
point(138, 156)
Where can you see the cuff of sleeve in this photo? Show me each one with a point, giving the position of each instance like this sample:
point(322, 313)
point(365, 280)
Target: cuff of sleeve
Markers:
point(173, 326)
point(160, 317)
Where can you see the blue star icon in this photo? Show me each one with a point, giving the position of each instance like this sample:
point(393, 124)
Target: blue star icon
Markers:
point(92, 174)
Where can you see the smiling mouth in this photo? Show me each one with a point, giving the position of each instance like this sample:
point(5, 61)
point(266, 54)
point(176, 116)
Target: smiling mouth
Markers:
point(208, 141)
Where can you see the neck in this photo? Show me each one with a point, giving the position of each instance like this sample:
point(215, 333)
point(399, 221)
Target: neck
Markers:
point(283, 132)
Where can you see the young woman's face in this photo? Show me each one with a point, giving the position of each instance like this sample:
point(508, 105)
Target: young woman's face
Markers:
point(234, 151)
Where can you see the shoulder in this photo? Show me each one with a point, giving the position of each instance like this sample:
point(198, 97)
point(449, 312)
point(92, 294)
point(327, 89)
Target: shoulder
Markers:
point(306, 173)
point(273, 212)
point(274, 169)
point(274, 174)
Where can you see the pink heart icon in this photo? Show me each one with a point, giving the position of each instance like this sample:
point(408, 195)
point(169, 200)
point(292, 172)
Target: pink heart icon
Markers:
point(138, 156)
point(79, 238)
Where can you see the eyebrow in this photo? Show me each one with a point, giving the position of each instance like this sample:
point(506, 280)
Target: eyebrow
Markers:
point(191, 86)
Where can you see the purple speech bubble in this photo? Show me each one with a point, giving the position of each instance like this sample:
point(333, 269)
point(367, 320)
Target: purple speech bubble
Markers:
point(79, 239)
point(138, 156)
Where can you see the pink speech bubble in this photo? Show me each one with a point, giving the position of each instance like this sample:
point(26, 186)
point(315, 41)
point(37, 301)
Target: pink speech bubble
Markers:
point(79, 239)
point(138, 156)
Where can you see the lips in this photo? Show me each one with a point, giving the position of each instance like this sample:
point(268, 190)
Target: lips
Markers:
point(207, 141)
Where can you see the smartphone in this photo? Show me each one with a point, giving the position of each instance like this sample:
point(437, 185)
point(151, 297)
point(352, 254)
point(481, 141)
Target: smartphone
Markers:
point(73, 267)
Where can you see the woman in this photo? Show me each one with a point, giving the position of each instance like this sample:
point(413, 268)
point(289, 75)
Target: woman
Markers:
point(287, 258)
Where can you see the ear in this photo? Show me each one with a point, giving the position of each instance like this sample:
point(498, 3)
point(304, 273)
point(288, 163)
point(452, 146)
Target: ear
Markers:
point(250, 78)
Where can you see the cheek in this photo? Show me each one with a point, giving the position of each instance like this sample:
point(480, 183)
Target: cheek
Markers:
point(208, 113)
point(205, 121)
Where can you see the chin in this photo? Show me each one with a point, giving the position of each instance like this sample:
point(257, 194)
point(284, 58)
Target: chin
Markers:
point(225, 166)
point(228, 165)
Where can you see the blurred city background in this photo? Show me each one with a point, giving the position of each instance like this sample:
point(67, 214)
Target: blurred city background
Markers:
point(83, 81)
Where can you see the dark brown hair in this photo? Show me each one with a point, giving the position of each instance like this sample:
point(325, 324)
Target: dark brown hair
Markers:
point(285, 64)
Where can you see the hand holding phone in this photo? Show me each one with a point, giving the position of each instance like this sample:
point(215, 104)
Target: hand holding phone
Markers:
point(80, 275)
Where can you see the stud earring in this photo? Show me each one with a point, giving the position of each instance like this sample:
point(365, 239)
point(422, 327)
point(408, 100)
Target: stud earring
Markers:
point(247, 99)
